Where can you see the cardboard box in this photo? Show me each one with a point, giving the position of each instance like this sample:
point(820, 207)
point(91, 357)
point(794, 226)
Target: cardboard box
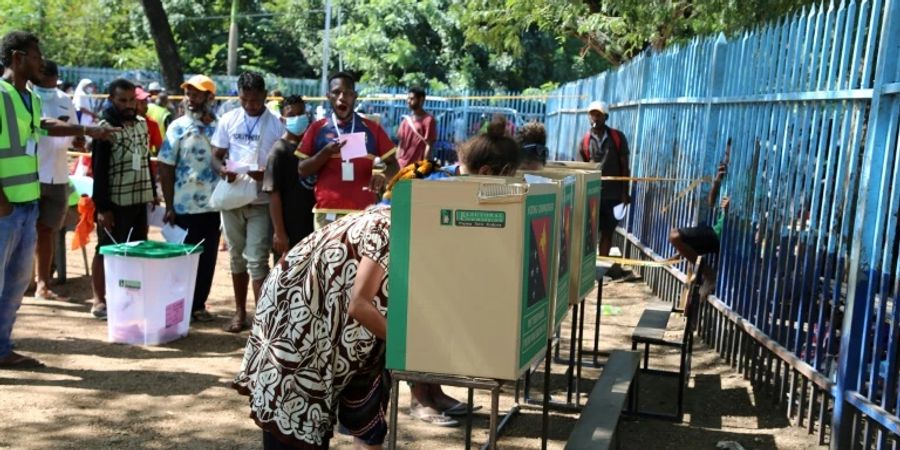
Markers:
point(562, 261)
point(585, 223)
point(470, 276)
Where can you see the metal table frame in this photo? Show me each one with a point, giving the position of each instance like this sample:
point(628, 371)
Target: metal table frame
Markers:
point(450, 380)
point(575, 363)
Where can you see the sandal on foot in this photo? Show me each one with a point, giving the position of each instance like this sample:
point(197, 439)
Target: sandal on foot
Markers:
point(202, 315)
point(459, 409)
point(18, 361)
point(50, 296)
point(236, 325)
point(433, 416)
point(99, 311)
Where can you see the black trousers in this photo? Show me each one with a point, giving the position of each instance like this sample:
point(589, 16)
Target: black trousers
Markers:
point(202, 227)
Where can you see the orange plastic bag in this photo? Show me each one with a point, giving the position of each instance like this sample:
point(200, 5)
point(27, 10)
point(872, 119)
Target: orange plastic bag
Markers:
point(85, 225)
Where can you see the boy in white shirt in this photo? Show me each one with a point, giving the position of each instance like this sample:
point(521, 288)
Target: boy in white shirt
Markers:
point(54, 176)
point(244, 137)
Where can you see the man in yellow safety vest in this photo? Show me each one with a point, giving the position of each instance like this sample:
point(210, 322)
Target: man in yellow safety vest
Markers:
point(21, 127)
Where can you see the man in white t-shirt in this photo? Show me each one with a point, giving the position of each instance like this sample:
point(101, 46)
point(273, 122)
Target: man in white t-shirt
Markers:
point(54, 176)
point(244, 137)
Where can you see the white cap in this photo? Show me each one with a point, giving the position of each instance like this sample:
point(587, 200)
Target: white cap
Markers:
point(154, 86)
point(598, 106)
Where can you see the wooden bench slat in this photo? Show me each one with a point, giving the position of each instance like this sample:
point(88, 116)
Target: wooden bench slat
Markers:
point(653, 322)
point(597, 424)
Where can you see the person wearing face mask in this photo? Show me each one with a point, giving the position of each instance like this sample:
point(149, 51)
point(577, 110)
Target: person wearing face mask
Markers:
point(123, 186)
point(54, 176)
point(291, 198)
point(188, 181)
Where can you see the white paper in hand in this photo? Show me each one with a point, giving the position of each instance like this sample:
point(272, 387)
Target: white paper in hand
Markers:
point(155, 216)
point(620, 210)
point(355, 146)
point(174, 234)
point(239, 167)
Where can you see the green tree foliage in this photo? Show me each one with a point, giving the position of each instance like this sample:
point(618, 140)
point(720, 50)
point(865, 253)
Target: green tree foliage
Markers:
point(83, 33)
point(475, 44)
point(616, 30)
point(404, 42)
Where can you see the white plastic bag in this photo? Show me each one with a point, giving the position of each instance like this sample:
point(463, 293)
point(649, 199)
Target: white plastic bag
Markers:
point(233, 195)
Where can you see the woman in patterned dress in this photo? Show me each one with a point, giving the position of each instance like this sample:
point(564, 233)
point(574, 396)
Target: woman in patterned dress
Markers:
point(315, 355)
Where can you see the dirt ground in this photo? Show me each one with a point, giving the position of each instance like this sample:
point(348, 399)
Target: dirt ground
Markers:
point(95, 395)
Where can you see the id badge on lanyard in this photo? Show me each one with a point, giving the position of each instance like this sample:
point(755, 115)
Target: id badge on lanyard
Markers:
point(136, 161)
point(346, 166)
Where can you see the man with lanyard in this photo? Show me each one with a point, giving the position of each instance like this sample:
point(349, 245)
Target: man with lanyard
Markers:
point(21, 127)
point(245, 136)
point(417, 132)
point(344, 185)
point(123, 183)
point(188, 181)
point(607, 146)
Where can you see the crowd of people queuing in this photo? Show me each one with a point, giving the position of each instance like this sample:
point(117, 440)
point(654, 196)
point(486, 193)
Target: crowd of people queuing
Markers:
point(315, 353)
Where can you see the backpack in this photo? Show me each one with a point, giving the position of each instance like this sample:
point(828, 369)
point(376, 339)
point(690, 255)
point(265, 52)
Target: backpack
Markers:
point(615, 135)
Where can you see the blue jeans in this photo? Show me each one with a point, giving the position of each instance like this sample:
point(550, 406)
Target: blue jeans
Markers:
point(18, 236)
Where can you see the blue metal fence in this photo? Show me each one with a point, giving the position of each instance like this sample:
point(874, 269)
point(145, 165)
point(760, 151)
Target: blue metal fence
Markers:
point(807, 272)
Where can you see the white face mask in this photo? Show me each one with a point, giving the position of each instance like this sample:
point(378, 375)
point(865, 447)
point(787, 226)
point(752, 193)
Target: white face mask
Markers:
point(89, 89)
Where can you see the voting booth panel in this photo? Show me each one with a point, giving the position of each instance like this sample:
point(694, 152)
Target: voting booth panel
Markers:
point(470, 280)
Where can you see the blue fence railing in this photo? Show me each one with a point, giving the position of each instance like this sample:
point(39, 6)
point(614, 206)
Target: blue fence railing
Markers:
point(808, 262)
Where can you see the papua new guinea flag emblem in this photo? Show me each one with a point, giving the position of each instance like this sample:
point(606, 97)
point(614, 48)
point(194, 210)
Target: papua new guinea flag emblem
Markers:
point(539, 259)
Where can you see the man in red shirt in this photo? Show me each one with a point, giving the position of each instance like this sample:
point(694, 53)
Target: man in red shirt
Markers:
point(417, 132)
point(153, 130)
point(344, 181)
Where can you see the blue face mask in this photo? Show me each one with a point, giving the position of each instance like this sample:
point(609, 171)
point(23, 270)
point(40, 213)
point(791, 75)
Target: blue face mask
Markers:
point(43, 92)
point(297, 124)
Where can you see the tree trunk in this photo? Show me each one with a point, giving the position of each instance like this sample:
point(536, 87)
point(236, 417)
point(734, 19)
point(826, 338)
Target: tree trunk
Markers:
point(166, 50)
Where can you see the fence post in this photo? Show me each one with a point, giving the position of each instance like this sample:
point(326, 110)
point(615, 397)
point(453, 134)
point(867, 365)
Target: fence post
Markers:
point(711, 121)
point(865, 253)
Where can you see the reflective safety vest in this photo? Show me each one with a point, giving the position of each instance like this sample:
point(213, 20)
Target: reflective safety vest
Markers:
point(159, 114)
point(18, 126)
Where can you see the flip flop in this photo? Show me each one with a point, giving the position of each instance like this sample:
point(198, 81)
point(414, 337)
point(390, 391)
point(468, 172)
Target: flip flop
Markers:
point(433, 417)
point(459, 409)
point(236, 325)
point(17, 361)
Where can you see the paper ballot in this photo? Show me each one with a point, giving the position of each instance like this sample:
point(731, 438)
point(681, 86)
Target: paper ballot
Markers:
point(174, 234)
point(355, 146)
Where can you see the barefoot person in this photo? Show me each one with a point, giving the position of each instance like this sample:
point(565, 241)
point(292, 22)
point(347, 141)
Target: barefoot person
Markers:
point(316, 351)
point(692, 242)
point(245, 136)
point(20, 188)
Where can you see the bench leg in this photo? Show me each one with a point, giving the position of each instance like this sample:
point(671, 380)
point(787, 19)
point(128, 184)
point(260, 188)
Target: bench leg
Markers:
point(646, 356)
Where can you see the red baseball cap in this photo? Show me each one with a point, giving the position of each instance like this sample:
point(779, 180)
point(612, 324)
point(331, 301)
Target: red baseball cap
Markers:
point(140, 94)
